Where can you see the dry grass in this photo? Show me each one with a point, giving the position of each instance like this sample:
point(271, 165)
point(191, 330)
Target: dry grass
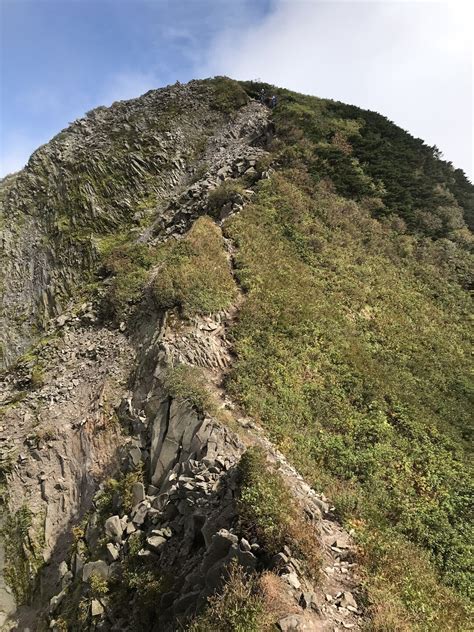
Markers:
point(268, 511)
point(239, 607)
point(194, 274)
point(278, 602)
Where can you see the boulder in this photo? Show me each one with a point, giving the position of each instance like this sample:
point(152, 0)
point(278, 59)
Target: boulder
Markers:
point(112, 552)
point(113, 529)
point(219, 548)
point(155, 542)
point(292, 580)
point(245, 545)
point(296, 623)
point(138, 493)
point(96, 608)
point(140, 514)
point(308, 600)
point(347, 601)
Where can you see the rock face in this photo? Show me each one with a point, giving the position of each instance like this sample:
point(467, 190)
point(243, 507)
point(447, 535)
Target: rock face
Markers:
point(155, 157)
point(103, 406)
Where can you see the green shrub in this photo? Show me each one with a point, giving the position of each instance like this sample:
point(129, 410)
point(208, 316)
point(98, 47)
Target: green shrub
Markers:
point(126, 263)
point(268, 511)
point(136, 588)
point(240, 607)
point(23, 553)
point(117, 492)
point(400, 581)
point(228, 96)
point(355, 358)
point(194, 274)
point(190, 383)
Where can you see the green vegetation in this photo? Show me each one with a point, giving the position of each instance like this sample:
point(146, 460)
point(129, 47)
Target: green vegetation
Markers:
point(190, 383)
point(136, 588)
point(353, 352)
point(268, 511)
point(240, 607)
point(418, 184)
point(366, 155)
point(193, 273)
point(116, 495)
point(23, 552)
point(228, 95)
point(126, 264)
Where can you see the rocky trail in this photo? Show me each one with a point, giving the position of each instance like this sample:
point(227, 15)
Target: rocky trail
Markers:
point(101, 406)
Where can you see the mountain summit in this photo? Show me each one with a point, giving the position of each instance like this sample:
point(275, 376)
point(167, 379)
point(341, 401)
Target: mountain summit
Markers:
point(236, 351)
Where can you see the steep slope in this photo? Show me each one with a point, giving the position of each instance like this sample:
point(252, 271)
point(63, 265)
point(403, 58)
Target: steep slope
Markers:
point(110, 171)
point(195, 277)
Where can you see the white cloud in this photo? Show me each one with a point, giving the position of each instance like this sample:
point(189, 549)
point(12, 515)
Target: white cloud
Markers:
point(411, 61)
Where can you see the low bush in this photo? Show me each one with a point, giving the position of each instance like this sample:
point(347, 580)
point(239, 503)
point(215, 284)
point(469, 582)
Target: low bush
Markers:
point(401, 588)
point(228, 96)
point(268, 511)
point(23, 553)
point(240, 607)
point(116, 496)
point(193, 274)
point(126, 264)
point(352, 351)
point(190, 383)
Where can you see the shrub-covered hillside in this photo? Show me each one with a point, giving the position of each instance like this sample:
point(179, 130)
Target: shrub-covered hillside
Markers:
point(366, 155)
point(353, 343)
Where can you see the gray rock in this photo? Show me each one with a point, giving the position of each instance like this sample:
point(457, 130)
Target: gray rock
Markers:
point(140, 514)
point(246, 559)
point(56, 601)
point(185, 603)
point(308, 600)
point(131, 528)
point(322, 506)
point(113, 528)
point(138, 493)
point(292, 580)
point(155, 542)
point(278, 561)
point(219, 548)
point(295, 623)
point(96, 608)
point(245, 545)
point(112, 552)
point(135, 456)
point(77, 564)
point(347, 601)
point(66, 579)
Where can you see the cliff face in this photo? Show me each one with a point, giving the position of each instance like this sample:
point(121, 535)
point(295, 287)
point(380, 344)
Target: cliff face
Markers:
point(117, 168)
point(199, 295)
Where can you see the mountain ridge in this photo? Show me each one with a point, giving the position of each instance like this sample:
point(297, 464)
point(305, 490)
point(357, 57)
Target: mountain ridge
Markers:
point(342, 302)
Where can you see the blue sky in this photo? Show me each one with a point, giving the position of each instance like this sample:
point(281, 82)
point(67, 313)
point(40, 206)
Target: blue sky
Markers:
point(412, 61)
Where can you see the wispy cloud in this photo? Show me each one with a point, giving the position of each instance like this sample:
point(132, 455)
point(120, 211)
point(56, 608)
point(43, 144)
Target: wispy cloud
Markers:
point(409, 60)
